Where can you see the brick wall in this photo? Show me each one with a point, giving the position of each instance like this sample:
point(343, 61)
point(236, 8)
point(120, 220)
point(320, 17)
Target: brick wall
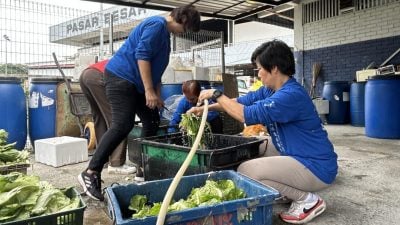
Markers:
point(346, 43)
point(341, 62)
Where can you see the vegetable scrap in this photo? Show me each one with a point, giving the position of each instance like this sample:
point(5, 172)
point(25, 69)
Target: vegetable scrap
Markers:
point(213, 192)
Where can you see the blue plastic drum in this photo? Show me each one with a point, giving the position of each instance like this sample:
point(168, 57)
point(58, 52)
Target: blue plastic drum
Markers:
point(167, 90)
point(337, 92)
point(42, 108)
point(357, 104)
point(13, 111)
point(217, 85)
point(382, 107)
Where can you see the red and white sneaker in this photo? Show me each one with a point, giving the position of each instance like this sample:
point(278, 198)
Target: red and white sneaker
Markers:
point(302, 212)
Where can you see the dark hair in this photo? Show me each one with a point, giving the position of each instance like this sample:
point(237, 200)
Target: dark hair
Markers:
point(275, 53)
point(191, 86)
point(188, 16)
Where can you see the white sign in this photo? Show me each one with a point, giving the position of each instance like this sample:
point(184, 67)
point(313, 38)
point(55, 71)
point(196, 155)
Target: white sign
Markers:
point(92, 22)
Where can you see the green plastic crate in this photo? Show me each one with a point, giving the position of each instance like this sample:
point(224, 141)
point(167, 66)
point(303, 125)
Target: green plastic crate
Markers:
point(21, 167)
point(69, 217)
point(164, 155)
point(134, 148)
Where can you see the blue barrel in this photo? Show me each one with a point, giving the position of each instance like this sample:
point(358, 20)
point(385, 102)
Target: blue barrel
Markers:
point(168, 90)
point(13, 111)
point(337, 92)
point(42, 108)
point(217, 85)
point(382, 107)
point(357, 104)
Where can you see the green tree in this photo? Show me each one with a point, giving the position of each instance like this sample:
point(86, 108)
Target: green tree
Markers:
point(13, 69)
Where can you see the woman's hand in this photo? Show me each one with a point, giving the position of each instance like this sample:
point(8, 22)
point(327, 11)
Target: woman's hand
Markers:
point(153, 100)
point(205, 95)
point(197, 111)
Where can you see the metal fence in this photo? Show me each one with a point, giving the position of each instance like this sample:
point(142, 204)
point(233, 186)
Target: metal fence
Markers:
point(24, 33)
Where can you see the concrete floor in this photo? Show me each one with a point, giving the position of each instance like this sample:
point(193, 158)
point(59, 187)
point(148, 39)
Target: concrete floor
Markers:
point(366, 191)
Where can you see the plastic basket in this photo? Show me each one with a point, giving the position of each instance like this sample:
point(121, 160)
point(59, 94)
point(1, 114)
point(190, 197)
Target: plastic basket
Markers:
point(164, 155)
point(22, 168)
point(134, 146)
point(256, 208)
point(69, 217)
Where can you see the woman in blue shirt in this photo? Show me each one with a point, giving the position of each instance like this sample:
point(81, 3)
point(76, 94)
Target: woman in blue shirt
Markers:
point(132, 80)
point(301, 160)
point(191, 90)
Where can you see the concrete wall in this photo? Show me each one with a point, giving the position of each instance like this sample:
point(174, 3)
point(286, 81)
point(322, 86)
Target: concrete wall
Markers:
point(346, 43)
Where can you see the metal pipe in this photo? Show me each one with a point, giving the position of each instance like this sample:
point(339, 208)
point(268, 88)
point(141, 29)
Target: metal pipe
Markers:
point(222, 53)
point(7, 39)
point(110, 36)
point(101, 53)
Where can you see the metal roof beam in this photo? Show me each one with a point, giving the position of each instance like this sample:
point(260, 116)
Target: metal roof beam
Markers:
point(156, 7)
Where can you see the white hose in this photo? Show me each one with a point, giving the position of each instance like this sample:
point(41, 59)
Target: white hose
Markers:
point(181, 171)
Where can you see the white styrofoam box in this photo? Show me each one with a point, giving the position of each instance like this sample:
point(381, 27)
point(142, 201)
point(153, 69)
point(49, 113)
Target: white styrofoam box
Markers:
point(322, 106)
point(60, 151)
point(363, 75)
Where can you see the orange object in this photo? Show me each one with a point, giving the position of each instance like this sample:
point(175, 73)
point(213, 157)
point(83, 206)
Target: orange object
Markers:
point(254, 130)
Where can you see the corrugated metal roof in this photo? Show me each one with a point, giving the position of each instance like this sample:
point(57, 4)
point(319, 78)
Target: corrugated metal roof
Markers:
point(224, 9)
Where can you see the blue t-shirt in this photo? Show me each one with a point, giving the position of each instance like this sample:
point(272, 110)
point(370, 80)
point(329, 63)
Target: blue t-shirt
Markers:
point(149, 41)
point(294, 126)
point(183, 106)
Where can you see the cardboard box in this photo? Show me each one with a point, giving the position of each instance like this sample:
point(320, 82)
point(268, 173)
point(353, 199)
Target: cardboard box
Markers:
point(60, 151)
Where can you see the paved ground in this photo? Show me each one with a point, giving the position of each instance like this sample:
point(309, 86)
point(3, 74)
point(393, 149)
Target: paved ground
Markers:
point(366, 191)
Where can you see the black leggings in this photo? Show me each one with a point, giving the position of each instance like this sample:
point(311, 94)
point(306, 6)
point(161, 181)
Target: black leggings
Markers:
point(125, 103)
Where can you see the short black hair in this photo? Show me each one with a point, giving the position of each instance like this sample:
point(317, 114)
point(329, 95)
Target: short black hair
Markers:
point(275, 53)
point(188, 16)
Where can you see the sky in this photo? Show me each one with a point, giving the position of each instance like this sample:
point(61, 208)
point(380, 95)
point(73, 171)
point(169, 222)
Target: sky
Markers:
point(28, 30)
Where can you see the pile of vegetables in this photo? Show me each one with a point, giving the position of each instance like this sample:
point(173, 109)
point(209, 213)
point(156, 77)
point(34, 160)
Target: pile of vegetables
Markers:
point(211, 193)
point(190, 125)
point(9, 155)
point(23, 196)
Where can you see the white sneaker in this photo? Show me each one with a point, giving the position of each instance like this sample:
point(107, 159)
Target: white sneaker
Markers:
point(302, 212)
point(124, 169)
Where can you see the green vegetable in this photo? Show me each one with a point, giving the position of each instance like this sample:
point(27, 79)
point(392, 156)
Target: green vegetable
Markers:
point(137, 202)
point(211, 193)
point(3, 136)
point(190, 124)
point(23, 196)
point(9, 155)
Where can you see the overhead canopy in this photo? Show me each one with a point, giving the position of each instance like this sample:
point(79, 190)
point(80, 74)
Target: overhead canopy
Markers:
point(224, 9)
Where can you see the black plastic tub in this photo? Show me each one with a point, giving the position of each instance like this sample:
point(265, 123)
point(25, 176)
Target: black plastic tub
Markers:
point(163, 155)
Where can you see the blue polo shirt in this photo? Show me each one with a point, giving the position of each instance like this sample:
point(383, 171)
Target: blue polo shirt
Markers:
point(183, 106)
point(294, 126)
point(149, 41)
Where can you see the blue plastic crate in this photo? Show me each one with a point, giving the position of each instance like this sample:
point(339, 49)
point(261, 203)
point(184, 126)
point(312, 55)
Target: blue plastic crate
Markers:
point(256, 208)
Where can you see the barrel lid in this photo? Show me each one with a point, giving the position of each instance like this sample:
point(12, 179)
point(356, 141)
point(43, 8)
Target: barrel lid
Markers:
point(385, 77)
point(337, 82)
point(11, 79)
